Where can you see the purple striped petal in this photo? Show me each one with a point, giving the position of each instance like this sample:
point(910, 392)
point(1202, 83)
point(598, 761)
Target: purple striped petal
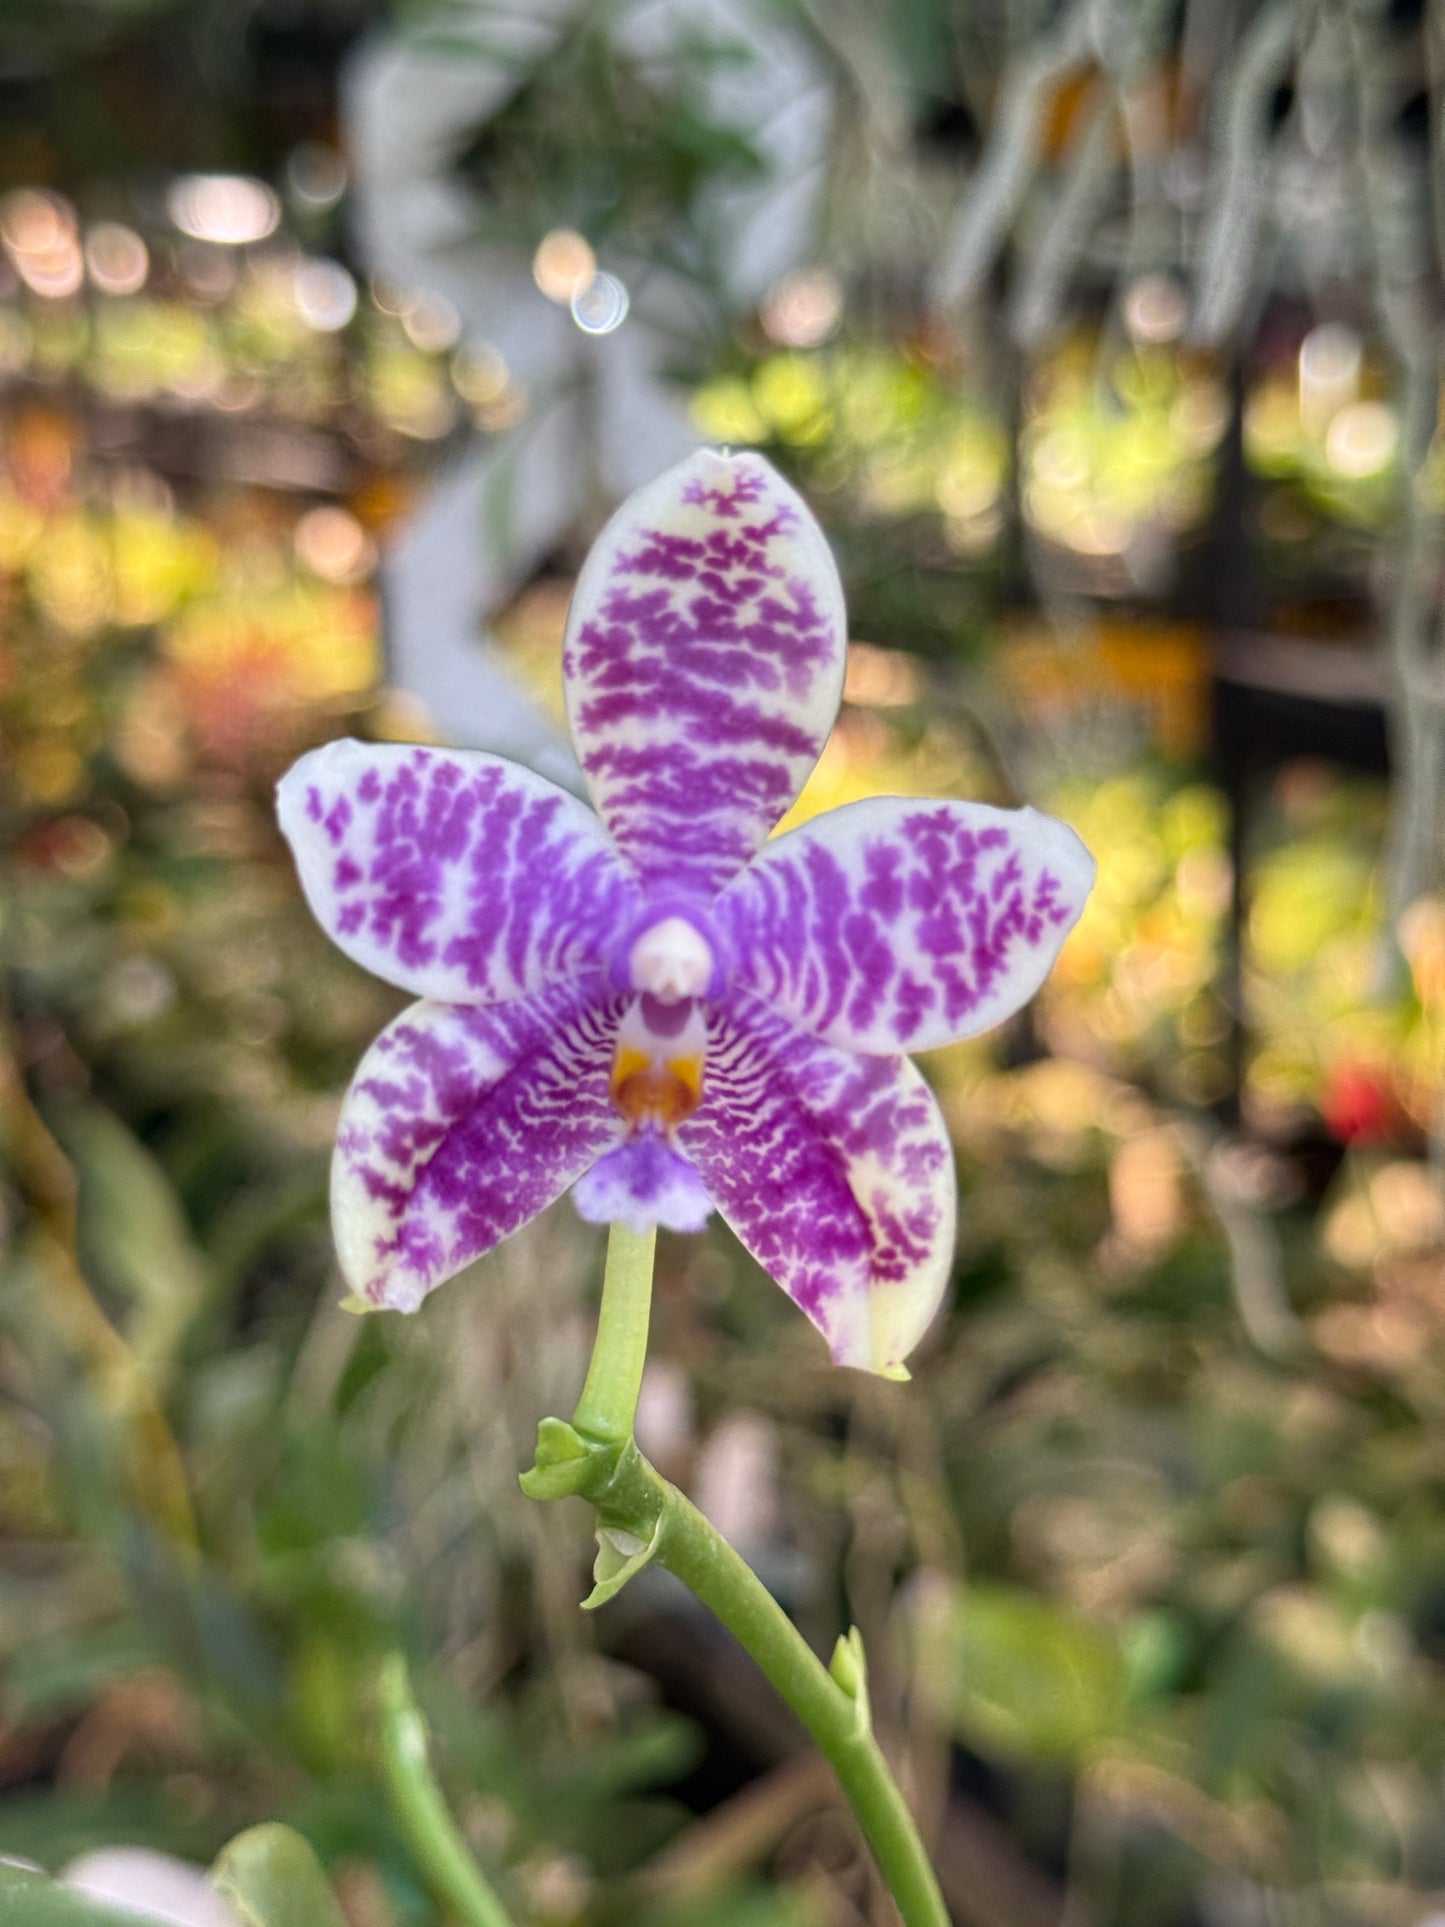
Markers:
point(893, 925)
point(703, 666)
point(835, 1171)
point(457, 875)
point(460, 1125)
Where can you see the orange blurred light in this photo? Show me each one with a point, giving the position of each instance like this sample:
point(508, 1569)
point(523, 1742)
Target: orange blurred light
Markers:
point(333, 544)
point(38, 230)
point(34, 221)
point(1154, 309)
point(563, 265)
point(803, 309)
point(432, 323)
point(117, 258)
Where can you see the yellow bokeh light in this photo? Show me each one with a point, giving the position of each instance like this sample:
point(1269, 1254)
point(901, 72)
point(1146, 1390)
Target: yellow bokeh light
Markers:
point(1362, 439)
point(725, 412)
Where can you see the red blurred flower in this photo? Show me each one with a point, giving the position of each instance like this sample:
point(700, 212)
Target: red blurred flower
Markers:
point(1358, 1103)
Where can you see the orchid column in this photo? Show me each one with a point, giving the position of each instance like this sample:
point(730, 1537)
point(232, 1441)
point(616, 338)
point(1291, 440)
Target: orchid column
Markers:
point(657, 1006)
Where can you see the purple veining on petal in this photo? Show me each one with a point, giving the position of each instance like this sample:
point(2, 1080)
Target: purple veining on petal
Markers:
point(460, 1125)
point(894, 925)
point(457, 875)
point(641, 1184)
point(836, 1173)
point(741, 491)
point(703, 666)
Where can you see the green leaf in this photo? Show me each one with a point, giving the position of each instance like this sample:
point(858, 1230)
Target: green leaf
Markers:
point(35, 1900)
point(1018, 1675)
point(55, 1676)
point(53, 1825)
point(135, 1241)
point(273, 1879)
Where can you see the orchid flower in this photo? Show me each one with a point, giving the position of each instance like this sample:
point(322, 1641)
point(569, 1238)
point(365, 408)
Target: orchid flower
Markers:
point(653, 1005)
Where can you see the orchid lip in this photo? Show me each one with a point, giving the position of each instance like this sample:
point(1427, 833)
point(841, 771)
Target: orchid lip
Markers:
point(657, 1070)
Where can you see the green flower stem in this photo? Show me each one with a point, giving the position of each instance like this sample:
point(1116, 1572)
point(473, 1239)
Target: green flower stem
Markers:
point(641, 1517)
point(419, 1806)
point(833, 1705)
point(608, 1404)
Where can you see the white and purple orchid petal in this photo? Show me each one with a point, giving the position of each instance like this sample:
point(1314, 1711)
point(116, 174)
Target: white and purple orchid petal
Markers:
point(835, 1171)
point(703, 666)
point(641, 1184)
point(457, 875)
point(460, 1125)
point(893, 925)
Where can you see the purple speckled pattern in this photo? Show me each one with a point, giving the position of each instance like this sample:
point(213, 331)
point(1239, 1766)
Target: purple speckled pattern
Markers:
point(703, 667)
point(456, 875)
point(835, 1171)
point(893, 925)
point(652, 1005)
point(460, 1125)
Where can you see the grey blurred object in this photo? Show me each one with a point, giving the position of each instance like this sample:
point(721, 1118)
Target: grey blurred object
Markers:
point(601, 414)
point(736, 1483)
point(1311, 172)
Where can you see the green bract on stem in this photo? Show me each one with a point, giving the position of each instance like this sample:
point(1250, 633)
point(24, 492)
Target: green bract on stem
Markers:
point(642, 1518)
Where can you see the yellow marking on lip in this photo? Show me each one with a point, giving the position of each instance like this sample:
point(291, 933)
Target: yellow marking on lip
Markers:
point(662, 1095)
point(656, 1080)
point(627, 1064)
point(688, 1072)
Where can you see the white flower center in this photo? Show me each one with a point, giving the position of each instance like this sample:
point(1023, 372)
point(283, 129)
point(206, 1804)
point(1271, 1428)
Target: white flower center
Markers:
point(671, 960)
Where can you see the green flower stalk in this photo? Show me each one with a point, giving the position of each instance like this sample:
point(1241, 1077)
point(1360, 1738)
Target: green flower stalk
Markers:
point(642, 1517)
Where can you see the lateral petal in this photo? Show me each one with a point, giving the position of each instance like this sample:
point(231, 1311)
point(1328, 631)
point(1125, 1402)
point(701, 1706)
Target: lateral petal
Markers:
point(892, 925)
point(703, 666)
point(457, 875)
point(460, 1125)
point(837, 1174)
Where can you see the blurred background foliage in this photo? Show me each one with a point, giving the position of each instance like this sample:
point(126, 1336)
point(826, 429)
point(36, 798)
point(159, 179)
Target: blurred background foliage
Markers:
point(1107, 354)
